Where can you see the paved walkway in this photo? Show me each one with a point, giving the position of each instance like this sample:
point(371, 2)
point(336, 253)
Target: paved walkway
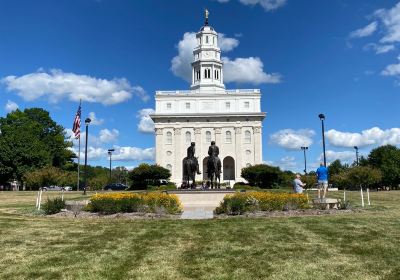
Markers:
point(200, 204)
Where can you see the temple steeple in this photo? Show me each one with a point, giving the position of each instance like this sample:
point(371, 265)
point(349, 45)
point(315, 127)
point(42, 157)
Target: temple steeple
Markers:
point(207, 72)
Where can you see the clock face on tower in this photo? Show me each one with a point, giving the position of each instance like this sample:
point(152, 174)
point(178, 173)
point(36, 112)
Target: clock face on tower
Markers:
point(207, 54)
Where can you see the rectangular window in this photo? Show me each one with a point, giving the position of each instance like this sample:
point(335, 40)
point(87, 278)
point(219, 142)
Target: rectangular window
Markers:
point(247, 104)
point(227, 105)
point(187, 105)
point(168, 106)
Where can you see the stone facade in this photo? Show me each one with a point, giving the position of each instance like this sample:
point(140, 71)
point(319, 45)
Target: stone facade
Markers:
point(208, 112)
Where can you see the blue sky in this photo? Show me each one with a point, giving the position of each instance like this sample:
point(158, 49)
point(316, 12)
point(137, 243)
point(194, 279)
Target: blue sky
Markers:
point(337, 57)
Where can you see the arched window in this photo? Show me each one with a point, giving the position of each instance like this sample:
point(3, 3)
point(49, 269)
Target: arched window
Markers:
point(228, 137)
point(208, 136)
point(169, 137)
point(209, 73)
point(206, 39)
point(205, 73)
point(188, 137)
point(247, 136)
point(169, 167)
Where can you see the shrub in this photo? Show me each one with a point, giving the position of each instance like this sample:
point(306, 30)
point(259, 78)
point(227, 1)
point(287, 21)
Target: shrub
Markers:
point(262, 175)
point(243, 186)
point(168, 187)
point(240, 203)
point(110, 203)
point(53, 206)
point(146, 174)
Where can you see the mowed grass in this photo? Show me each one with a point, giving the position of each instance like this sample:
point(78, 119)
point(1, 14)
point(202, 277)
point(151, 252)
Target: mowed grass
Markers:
point(358, 245)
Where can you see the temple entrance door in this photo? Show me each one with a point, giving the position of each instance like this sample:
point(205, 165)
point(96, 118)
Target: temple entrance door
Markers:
point(229, 168)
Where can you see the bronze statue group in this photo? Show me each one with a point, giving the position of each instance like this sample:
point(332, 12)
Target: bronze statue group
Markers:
point(191, 167)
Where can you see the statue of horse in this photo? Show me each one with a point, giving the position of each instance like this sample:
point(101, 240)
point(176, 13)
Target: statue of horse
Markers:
point(214, 171)
point(190, 166)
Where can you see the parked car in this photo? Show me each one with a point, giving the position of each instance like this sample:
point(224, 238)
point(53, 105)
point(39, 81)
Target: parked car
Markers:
point(52, 188)
point(67, 188)
point(115, 187)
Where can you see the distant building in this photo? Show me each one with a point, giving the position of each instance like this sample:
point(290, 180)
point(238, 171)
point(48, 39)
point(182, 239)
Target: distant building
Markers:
point(207, 112)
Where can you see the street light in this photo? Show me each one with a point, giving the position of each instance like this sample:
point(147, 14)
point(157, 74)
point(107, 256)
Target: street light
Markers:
point(322, 118)
point(305, 159)
point(110, 154)
point(87, 122)
point(355, 147)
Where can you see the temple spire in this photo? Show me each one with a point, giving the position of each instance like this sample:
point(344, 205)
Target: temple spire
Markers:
point(206, 13)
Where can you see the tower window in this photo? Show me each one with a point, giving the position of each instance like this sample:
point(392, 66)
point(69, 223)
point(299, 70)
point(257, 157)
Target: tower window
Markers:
point(208, 136)
point(227, 105)
point(169, 137)
point(207, 73)
point(247, 104)
point(213, 40)
point(216, 74)
point(169, 167)
point(206, 39)
point(188, 137)
point(198, 75)
point(228, 137)
point(247, 137)
point(187, 105)
point(169, 106)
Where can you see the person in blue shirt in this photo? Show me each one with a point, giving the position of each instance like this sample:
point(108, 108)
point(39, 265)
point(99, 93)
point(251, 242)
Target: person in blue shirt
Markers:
point(322, 178)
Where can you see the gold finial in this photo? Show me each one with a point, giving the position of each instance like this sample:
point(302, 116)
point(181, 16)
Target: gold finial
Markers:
point(206, 12)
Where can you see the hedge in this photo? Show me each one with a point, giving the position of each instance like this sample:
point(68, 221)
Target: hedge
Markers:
point(155, 202)
point(239, 203)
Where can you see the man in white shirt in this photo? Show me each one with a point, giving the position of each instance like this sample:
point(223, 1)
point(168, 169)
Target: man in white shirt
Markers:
point(298, 185)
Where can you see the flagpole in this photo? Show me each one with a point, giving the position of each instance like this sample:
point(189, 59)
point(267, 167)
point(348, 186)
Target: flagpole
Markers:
point(79, 148)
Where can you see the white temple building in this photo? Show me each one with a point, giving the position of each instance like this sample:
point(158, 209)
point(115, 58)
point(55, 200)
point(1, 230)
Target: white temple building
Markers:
point(208, 112)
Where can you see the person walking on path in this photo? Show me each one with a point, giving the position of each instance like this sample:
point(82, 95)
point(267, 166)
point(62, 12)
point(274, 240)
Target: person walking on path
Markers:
point(322, 178)
point(298, 185)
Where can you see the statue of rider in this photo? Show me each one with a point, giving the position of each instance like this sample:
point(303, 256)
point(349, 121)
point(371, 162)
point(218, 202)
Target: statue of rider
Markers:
point(213, 152)
point(190, 155)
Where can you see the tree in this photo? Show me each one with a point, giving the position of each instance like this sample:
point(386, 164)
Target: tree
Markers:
point(30, 140)
point(359, 176)
point(387, 159)
point(262, 175)
point(336, 167)
point(49, 176)
point(146, 174)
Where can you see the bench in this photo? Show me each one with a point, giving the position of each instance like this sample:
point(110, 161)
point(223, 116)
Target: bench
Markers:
point(327, 203)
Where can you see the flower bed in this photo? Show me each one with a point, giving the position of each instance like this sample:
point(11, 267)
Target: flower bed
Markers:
point(239, 203)
point(110, 203)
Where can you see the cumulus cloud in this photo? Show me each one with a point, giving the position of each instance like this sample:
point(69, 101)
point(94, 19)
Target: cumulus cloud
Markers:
point(11, 106)
point(57, 85)
point(293, 139)
point(94, 119)
point(373, 136)
point(108, 136)
point(248, 70)
point(379, 49)
point(392, 69)
point(240, 70)
point(120, 153)
point(365, 31)
point(146, 124)
point(287, 163)
point(391, 20)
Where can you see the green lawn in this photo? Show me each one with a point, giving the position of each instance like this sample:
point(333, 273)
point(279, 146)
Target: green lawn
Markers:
point(360, 245)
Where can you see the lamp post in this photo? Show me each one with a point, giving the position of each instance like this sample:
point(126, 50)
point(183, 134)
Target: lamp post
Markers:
point(110, 154)
point(87, 122)
point(305, 159)
point(356, 148)
point(322, 118)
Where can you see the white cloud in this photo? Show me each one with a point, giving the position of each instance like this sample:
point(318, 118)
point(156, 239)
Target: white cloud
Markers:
point(57, 85)
point(365, 31)
point(227, 44)
point(240, 70)
point(287, 163)
point(247, 70)
point(344, 156)
point(95, 120)
point(379, 49)
point(11, 106)
point(293, 139)
point(120, 153)
point(108, 136)
point(391, 20)
point(268, 5)
point(146, 124)
point(372, 136)
point(392, 69)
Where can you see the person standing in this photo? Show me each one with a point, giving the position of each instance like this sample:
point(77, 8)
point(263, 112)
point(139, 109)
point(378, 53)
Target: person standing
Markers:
point(298, 185)
point(322, 178)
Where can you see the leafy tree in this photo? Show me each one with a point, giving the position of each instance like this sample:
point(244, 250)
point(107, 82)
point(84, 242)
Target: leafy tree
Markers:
point(358, 176)
point(262, 175)
point(29, 140)
point(146, 174)
point(387, 159)
point(336, 167)
point(120, 175)
point(98, 182)
point(49, 176)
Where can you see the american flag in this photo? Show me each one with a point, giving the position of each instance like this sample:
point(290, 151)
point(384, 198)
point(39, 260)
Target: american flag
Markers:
point(76, 128)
